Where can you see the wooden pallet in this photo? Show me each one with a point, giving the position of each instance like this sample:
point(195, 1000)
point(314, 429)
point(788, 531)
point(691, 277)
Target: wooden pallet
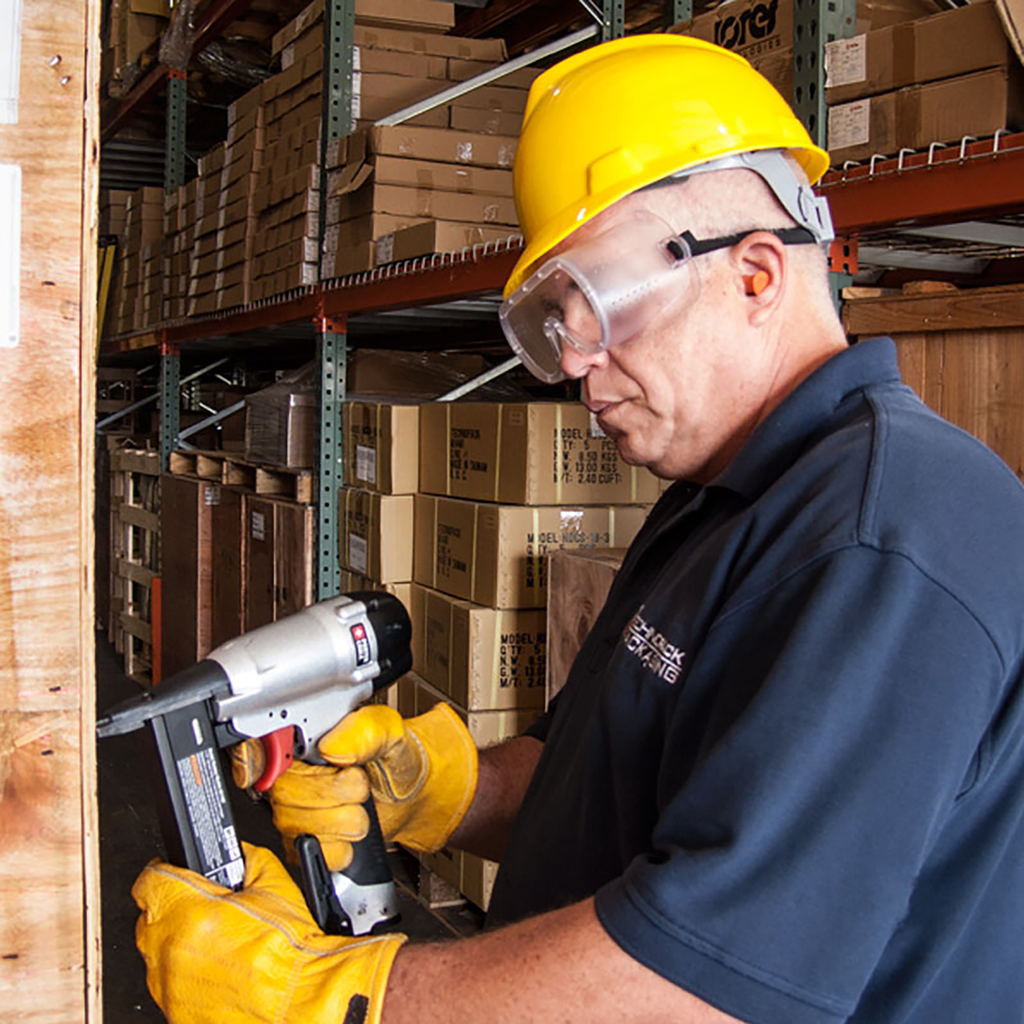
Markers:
point(134, 557)
point(255, 478)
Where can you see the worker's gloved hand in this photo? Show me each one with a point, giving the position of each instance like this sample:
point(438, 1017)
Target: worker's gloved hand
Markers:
point(422, 772)
point(218, 956)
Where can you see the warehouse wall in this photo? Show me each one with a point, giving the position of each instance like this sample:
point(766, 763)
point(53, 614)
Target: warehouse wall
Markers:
point(48, 864)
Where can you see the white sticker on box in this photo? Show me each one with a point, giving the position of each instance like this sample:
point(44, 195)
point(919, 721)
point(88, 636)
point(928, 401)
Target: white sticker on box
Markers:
point(849, 124)
point(212, 496)
point(357, 62)
point(357, 553)
point(846, 61)
point(10, 60)
point(384, 248)
point(366, 463)
point(357, 100)
point(10, 256)
point(595, 427)
point(259, 526)
point(464, 151)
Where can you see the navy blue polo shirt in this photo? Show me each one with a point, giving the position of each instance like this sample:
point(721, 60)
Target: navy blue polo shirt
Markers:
point(789, 758)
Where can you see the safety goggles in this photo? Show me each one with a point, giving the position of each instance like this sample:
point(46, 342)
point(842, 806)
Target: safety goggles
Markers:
point(604, 291)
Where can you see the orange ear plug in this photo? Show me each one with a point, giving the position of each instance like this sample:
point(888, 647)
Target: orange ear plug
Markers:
point(756, 283)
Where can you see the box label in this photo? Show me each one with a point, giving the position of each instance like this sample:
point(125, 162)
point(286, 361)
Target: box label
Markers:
point(211, 495)
point(366, 464)
point(259, 526)
point(10, 61)
point(846, 61)
point(384, 248)
point(357, 552)
point(849, 124)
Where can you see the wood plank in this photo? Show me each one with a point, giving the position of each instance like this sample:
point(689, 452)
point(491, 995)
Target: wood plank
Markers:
point(977, 309)
point(227, 552)
point(293, 558)
point(182, 463)
point(209, 467)
point(135, 626)
point(49, 932)
point(239, 474)
point(133, 516)
point(128, 460)
point(259, 562)
point(136, 573)
point(578, 584)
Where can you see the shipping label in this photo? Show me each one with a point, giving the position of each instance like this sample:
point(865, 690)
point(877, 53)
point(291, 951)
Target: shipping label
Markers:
point(522, 660)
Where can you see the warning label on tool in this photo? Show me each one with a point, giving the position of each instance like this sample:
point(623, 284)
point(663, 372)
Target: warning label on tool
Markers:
point(208, 811)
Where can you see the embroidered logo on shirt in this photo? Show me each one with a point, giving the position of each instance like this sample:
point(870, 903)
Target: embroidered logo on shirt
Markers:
point(664, 659)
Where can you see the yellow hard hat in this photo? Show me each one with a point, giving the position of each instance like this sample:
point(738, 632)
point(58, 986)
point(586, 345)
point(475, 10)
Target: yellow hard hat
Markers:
point(627, 113)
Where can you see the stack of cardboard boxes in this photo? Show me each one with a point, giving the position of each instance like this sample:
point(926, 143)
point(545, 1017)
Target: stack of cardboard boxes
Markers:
point(934, 80)
point(139, 277)
point(910, 75)
point(498, 487)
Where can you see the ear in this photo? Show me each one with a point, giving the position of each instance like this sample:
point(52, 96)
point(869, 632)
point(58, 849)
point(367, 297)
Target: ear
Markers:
point(761, 267)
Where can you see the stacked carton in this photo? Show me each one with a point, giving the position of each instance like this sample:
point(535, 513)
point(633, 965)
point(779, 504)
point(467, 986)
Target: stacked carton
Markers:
point(113, 212)
point(179, 239)
point(225, 215)
point(500, 487)
point(137, 301)
point(905, 86)
point(407, 191)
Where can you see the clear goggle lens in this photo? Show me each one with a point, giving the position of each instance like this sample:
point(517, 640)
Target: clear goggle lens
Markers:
point(599, 293)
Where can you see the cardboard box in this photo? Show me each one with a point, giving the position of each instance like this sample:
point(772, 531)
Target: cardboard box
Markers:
point(376, 534)
point(531, 453)
point(353, 582)
point(362, 196)
point(496, 555)
point(440, 144)
point(482, 658)
point(381, 446)
point(487, 728)
point(917, 52)
point(946, 111)
point(396, 38)
point(757, 27)
point(434, 15)
point(444, 177)
point(460, 70)
point(488, 122)
point(436, 236)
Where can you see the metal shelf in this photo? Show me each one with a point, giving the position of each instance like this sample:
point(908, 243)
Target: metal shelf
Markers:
point(426, 281)
point(972, 180)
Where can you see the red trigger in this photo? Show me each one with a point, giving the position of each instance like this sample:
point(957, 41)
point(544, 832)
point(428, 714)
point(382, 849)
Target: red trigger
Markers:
point(278, 751)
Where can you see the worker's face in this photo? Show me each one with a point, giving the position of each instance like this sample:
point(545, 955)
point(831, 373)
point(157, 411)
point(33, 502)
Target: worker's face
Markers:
point(680, 396)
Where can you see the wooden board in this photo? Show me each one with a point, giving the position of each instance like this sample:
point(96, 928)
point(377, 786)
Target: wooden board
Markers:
point(578, 583)
point(979, 309)
point(293, 558)
point(49, 877)
point(187, 517)
point(226, 571)
point(258, 531)
point(974, 379)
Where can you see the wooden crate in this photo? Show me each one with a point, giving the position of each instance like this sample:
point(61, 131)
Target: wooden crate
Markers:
point(277, 559)
point(134, 557)
point(963, 353)
point(49, 863)
point(578, 583)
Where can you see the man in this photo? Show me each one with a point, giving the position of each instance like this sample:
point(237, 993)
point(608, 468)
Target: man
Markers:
point(783, 783)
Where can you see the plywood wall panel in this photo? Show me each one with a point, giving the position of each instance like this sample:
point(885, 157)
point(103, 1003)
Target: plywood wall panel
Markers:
point(49, 927)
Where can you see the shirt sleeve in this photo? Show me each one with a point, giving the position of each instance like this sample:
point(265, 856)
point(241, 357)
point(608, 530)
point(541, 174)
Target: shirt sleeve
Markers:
point(840, 714)
point(541, 725)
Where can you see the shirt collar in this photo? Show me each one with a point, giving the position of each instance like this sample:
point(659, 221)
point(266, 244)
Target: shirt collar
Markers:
point(777, 442)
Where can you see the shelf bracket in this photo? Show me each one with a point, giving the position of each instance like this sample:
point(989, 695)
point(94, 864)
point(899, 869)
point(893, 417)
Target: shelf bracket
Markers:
point(331, 344)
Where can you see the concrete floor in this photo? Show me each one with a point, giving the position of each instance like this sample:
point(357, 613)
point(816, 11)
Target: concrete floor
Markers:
point(130, 837)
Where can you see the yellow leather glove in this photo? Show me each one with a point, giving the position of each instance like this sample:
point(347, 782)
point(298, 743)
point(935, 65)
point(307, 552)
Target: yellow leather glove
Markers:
point(422, 774)
point(214, 956)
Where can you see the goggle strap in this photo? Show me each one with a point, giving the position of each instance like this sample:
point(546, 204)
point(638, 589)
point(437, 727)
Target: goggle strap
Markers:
point(700, 246)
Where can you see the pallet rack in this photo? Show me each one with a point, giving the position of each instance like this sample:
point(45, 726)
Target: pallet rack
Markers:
point(878, 202)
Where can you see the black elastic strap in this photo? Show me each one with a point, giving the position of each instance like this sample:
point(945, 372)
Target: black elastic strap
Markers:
point(699, 246)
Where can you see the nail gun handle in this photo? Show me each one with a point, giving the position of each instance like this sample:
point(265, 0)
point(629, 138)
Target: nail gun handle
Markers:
point(361, 900)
